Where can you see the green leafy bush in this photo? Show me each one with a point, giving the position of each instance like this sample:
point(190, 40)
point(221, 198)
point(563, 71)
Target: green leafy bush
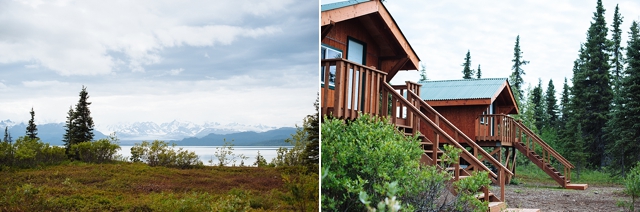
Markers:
point(225, 155)
point(364, 155)
point(99, 151)
point(159, 153)
point(260, 161)
point(30, 152)
point(632, 186)
point(362, 159)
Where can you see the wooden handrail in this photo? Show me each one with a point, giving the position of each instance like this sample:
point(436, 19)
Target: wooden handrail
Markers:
point(413, 102)
point(460, 134)
point(544, 145)
point(356, 88)
point(466, 154)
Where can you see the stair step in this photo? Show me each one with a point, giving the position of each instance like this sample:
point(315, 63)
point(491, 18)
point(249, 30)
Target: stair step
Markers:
point(497, 206)
point(481, 195)
point(431, 151)
point(577, 186)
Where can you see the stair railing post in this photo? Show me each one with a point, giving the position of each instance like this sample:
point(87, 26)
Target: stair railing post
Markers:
point(502, 173)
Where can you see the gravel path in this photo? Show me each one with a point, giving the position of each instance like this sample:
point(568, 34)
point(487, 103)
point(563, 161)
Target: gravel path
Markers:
point(553, 198)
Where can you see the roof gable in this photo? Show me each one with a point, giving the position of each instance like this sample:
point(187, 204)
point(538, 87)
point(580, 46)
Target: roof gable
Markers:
point(377, 19)
point(468, 92)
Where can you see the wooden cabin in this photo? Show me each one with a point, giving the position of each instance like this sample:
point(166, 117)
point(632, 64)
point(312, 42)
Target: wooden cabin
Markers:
point(361, 45)
point(363, 48)
point(473, 105)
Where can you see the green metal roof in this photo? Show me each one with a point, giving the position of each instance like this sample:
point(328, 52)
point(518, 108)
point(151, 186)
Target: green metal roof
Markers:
point(461, 89)
point(341, 4)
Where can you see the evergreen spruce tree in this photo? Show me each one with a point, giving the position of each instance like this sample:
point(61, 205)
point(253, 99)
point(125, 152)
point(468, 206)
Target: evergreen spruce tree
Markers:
point(467, 72)
point(79, 124)
point(32, 129)
point(592, 91)
point(423, 74)
point(82, 121)
point(516, 75)
point(528, 111)
point(70, 131)
point(7, 135)
point(479, 73)
point(616, 49)
point(538, 108)
point(565, 112)
point(623, 129)
point(312, 127)
point(552, 106)
point(564, 102)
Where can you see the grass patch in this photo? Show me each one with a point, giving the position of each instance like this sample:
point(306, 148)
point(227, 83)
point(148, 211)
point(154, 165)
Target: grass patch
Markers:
point(138, 187)
point(531, 174)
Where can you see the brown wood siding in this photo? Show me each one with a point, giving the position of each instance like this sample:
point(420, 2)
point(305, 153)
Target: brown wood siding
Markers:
point(338, 38)
point(328, 96)
point(463, 117)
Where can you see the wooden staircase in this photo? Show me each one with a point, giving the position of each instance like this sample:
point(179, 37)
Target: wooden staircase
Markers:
point(415, 117)
point(532, 145)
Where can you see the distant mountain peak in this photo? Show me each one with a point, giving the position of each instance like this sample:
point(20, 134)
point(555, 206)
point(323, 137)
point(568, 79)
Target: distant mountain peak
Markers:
point(175, 130)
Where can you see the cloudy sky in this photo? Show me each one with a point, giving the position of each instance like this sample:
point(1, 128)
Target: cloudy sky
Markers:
point(550, 32)
point(245, 61)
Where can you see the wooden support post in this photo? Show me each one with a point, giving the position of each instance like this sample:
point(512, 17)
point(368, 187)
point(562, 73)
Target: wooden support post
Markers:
point(501, 176)
point(486, 193)
point(457, 170)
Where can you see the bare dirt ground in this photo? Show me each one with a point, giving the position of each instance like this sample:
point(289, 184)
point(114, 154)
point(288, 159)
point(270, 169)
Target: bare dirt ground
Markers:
point(554, 198)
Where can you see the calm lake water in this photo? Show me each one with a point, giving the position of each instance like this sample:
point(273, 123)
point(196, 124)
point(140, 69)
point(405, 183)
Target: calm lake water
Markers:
point(206, 153)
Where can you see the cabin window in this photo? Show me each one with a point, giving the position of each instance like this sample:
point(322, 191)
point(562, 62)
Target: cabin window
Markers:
point(327, 52)
point(356, 51)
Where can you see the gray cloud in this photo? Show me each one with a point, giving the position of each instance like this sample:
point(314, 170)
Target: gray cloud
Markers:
point(237, 61)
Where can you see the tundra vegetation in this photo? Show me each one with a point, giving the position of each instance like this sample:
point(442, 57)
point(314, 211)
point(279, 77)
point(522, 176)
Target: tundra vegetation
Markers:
point(88, 175)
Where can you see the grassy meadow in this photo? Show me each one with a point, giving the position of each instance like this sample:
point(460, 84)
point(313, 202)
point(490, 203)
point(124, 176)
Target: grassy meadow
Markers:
point(124, 186)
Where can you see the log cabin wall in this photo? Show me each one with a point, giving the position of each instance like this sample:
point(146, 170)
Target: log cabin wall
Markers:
point(463, 117)
point(338, 38)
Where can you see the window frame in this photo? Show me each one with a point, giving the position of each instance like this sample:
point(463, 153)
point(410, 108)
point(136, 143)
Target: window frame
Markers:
point(324, 49)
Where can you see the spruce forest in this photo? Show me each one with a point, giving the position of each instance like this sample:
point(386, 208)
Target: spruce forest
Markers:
point(595, 123)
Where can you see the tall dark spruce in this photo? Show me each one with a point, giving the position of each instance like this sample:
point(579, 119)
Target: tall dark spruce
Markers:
point(592, 93)
point(552, 106)
point(617, 60)
point(32, 129)
point(479, 72)
point(79, 126)
point(467, 72)
point(538, 108)
point(623, 129)
point(516, 75)
point(312, 128)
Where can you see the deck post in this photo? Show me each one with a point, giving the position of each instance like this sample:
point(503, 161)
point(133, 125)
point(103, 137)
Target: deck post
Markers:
point(502, 184)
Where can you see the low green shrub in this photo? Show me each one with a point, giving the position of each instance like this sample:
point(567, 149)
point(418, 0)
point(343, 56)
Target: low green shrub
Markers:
point(100, 151)
point(27, 152)
point(159, 153)
point(364, 155)
point(632, 187)
point(368, 160)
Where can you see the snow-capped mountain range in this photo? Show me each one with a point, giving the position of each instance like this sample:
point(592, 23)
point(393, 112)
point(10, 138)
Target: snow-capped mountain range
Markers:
point(175, 130)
